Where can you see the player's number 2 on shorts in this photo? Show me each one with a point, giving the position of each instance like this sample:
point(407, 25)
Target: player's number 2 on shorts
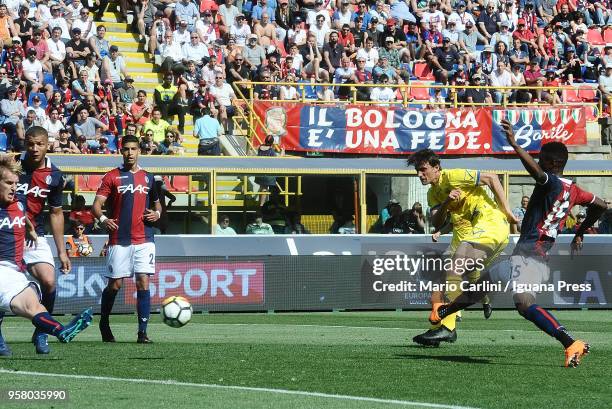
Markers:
point(151, 259)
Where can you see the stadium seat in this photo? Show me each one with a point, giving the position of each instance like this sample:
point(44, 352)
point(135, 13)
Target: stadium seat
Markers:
point(419, 94)
point(594, 37)
point(587, 94)
point(3, 142)
point(571, 95)
point(607, 35)
point(180, 184)
point(590, 113)
point(423, 72)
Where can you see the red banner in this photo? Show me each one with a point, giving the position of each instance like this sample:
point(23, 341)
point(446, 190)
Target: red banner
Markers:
point(398, 131)
point(205, 283)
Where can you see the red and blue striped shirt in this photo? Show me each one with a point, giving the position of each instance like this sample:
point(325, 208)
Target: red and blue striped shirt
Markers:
point(128, 194)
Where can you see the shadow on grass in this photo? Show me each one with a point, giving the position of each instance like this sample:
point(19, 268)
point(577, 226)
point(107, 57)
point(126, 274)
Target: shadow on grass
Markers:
point(446, 358)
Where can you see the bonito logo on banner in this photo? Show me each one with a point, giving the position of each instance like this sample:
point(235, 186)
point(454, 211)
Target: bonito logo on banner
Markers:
point(205, 283)
point(376, 130)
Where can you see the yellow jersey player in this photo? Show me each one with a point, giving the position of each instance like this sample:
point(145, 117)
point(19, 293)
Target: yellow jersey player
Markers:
point(480, 228)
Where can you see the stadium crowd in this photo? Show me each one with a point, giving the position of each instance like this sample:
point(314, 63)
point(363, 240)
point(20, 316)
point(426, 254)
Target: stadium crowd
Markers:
point(58, 70)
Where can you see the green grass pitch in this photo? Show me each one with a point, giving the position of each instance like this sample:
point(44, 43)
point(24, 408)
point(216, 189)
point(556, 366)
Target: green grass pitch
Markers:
point(504, 362)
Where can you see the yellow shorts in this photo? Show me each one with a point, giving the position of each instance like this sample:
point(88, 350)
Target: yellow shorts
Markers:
point(492, 235)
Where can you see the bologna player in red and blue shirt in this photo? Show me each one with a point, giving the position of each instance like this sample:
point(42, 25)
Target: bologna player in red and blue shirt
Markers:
point(41, 183)
point(549, 206)
point(128, 193)
point(17, 294)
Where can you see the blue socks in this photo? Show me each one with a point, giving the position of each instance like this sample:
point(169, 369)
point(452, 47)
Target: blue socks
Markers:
point(143, 307)
point(44, 322)
point(548, 323)
point(48, 300)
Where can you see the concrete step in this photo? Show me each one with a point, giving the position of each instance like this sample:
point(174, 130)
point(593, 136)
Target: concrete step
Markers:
point(132, 56)
point(114, 37)
point(128, 46)
point(115, 27)
point(140, 67)
point(110, 16)
point(146, 77)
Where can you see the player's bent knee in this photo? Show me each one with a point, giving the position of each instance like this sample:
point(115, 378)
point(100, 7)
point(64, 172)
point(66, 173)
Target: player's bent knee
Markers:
point(27, 304)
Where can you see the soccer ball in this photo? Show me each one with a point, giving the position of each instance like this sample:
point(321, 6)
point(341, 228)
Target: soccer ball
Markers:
point(84, 249)
point(176, 311)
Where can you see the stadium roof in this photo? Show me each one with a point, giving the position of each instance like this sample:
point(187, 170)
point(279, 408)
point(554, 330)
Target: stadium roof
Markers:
point(251, 165)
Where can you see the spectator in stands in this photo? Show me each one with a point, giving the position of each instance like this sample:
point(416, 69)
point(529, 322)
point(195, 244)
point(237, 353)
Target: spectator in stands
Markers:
point(62, 144)
point(254, 55)
point(223, 228)
point(528, 42)
point(114, 67)
point(265, 31)
point(266, 183)
point(23, 125)
point(444, 61)
point(605, 84)
point(89, 128)
point(518, 56)
point(564, 17)
point(312, 58)
point(42, 49)
point(396, 224)
point(181, 34)
point(33, 74)
point(152, 22)
point(208, 130)
point(156, 125)
point(85, 23)
point(504, 35)
point(501, 77)
point(547, 48)
point(293, 223)
point(519, 213)
point(53, 124)
point(147, 144)
point(489, 21)
point(187, 11)
point(258, 226)
point(240, 30)
point(342, 16)
point(460, 16)
point(289, 92)
point(170, 145)
point(415, 218)
point(76, 51)
point(433, 16)
point(23, 26)
point(195, 51)
point(550, 80)
point(267, 91)
point(520, 96)
point(477, 96)
point(345, 74)
point(206, 30)
point(382, 95)
point(171, 53)
point(224, 99)
point(333, 53)
point(12, 111)
point(98, 44)
point(320, 30)
point(170, 103)
point(369, 54)
point(227, 13)
point(467, 43)
point(56, 20)
point(534, 77)
point(57, 53)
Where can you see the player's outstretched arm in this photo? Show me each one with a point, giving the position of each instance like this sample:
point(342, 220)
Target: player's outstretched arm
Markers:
point(56, 220)
point(529, 163)
point(594, 212)
point(492, 181)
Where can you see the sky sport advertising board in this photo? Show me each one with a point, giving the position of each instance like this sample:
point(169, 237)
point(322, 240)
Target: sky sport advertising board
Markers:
point(384, 130)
